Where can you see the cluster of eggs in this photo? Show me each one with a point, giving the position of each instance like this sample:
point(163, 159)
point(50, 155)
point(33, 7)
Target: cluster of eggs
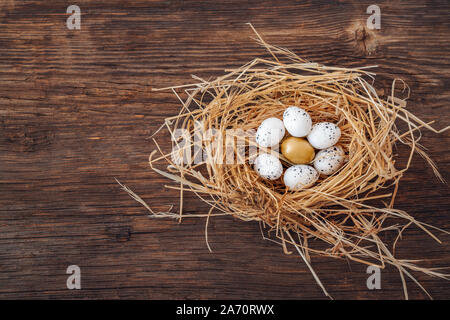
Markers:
point(299, 148)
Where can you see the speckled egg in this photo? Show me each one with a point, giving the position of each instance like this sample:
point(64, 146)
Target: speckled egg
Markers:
point(329, 160)
point(297, 121)
point(270, 132)
point(268, 166)
point(300, 176)
point(324, 135)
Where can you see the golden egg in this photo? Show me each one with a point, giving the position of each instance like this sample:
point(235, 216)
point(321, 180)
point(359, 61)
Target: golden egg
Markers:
point(297, 150)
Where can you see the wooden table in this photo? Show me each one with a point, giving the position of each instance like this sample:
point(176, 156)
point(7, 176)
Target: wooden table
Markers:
point(77, 111)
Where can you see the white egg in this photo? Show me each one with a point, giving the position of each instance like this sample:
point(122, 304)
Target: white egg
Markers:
point(329, 160)
point(324, 135)
point(297, 121)
point(300, 176)
point(270, 132)
point(268, 166)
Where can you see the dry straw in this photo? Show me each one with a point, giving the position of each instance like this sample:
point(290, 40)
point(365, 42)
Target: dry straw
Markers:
point(338, 210)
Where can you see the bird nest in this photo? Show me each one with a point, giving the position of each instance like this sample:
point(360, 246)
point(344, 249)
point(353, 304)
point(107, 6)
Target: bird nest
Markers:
point(213, 147)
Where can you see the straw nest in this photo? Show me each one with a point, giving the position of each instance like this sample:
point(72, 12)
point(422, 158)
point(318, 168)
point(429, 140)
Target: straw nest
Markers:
point(338, 210)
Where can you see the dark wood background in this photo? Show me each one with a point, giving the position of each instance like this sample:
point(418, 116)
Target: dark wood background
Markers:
point(77, 110)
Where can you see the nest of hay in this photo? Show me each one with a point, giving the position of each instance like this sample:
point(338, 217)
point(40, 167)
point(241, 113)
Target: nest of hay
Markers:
point(338, 210)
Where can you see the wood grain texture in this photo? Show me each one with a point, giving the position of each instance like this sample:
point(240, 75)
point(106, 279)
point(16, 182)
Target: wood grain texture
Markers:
point(77, 110)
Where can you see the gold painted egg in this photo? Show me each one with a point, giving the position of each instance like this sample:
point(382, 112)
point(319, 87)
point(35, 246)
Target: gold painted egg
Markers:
point(297, 150)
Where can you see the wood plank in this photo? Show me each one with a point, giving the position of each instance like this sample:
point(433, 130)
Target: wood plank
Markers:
point(76, 111)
